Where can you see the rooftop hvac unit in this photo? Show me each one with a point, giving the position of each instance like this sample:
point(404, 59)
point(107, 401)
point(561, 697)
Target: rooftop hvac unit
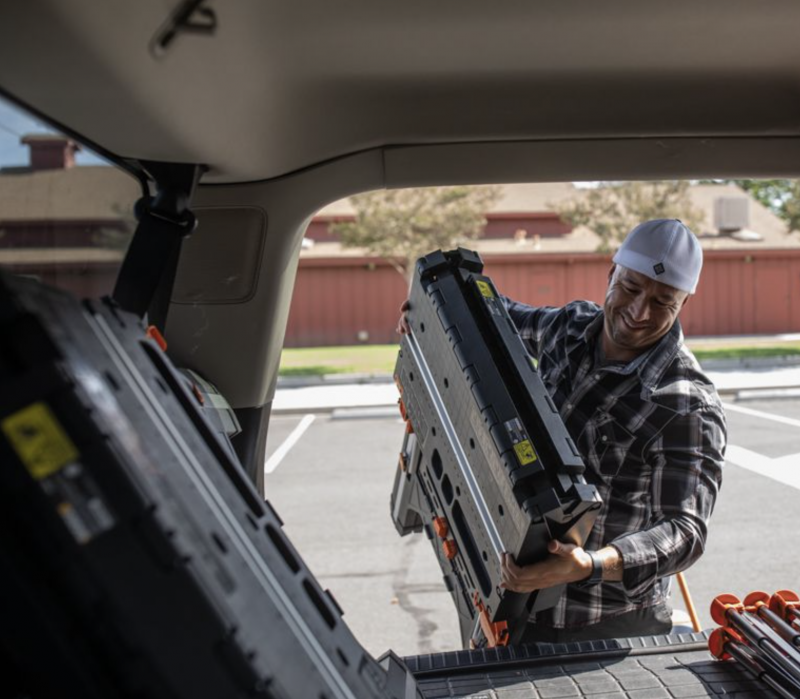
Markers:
point(731, 213)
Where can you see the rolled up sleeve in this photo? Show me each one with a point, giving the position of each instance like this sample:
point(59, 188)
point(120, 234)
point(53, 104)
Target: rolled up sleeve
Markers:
point(687, 459)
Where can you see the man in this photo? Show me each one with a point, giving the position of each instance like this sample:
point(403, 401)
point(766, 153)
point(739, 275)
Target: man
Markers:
point(650, 428)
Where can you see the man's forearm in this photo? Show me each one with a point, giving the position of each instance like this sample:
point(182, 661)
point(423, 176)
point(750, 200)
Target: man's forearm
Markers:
point(567, 563)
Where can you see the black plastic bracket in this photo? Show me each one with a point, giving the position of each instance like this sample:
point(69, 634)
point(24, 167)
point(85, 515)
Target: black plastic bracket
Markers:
point(145, 281)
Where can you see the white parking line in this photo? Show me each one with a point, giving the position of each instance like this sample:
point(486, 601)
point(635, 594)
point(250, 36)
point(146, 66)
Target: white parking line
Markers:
point(784, 469)
point(761, 414)
point(288, 443)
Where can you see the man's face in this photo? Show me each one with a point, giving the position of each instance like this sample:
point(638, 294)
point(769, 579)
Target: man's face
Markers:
point(639, 311)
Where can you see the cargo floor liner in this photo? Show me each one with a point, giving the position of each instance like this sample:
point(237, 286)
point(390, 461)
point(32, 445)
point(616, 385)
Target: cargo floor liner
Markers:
point(651, 667)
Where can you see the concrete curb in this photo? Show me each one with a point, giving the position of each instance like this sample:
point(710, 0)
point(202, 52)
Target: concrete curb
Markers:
point(750, 363)
point(771, 393)
point(759, 392)
point(350, 412)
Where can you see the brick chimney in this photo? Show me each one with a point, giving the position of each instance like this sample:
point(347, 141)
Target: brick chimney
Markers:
point(51, 151)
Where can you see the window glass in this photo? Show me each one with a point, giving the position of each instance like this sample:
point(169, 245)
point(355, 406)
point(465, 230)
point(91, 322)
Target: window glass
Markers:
point(66, 215)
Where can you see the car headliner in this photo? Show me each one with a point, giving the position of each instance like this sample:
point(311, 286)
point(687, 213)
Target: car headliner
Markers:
point(281, 86)
point(292, 105)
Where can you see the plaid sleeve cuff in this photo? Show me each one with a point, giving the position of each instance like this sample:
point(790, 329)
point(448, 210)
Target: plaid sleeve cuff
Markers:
point(639, 564)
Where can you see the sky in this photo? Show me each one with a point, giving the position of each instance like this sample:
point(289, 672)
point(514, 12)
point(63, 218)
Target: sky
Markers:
point(14, 124)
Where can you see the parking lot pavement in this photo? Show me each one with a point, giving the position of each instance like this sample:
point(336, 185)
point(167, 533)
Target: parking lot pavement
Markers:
point(332, 489)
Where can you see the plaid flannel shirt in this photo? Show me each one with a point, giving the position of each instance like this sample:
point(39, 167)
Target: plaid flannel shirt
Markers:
point(652, 435)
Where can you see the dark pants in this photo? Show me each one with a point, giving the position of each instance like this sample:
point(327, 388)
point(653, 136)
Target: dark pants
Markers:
point(640, 622)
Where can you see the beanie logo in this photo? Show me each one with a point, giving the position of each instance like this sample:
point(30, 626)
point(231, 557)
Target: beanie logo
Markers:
point(659, 268)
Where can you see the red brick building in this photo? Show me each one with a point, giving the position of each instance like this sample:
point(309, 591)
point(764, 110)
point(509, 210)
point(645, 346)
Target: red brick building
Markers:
point(68, 225)
point(750, 283)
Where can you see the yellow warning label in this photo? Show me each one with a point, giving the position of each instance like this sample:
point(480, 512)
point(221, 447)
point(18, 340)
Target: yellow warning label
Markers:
point(485, 289)
point(525, 452)
point(39, 440)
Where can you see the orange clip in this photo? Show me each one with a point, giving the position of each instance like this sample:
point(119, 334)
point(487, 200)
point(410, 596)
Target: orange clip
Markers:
point(716, 644)
point(154, 334)
point(402, 406)
point(198, 395)
point(450, 549)
point(755, 600)
point(786, 604)
point(398, 384)
point(722, 604)
point(440, 527)
point(496, 632)
point(719, 639)
point(409, 427)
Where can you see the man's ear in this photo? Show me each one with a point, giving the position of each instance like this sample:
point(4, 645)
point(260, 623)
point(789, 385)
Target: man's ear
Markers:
point(685, 301)
point(611, 272)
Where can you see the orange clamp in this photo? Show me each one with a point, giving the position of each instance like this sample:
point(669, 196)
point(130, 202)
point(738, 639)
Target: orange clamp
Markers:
point(755, 600)
point(719, 638)
point(440, 527)
point(196, 393)
point(154, 334)
point(786, 604)
point(722, 604)
point(496, 632)
point(716, 644)
point(450, 549)
point(402, 406)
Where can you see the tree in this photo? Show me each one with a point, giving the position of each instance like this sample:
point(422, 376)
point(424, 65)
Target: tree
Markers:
point(782, 197)
point(613, 209)
point(401, 225)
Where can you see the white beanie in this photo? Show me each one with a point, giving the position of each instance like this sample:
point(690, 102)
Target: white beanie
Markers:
point(665, 250)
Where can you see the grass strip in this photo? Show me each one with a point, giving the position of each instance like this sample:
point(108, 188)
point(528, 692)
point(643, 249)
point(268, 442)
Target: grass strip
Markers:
point(745, 352)
point(358, 359)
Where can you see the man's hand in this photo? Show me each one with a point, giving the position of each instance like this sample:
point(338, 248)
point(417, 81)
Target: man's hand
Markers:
point(566, 563)
point(403, 328)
